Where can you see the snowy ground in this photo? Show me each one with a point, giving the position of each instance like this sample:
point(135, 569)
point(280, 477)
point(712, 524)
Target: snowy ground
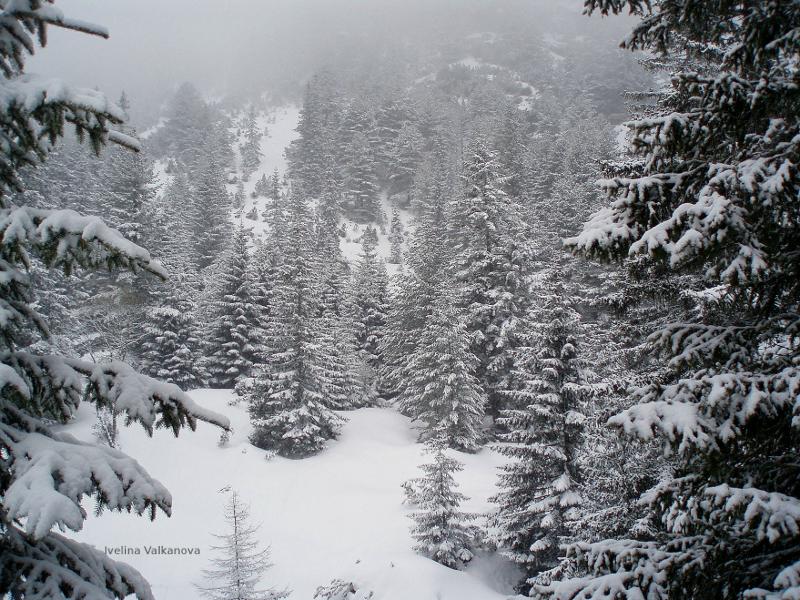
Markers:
point(338, 514)
point(281, 124)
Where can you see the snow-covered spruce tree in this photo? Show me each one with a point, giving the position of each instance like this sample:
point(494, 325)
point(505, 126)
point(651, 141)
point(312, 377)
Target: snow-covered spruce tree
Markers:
point(127, 188)
point(171, 346)
point(233, 332)
point(170, 341)
point(404, 161)
point(210, 214)
point(539, 487)
point(441, 391)
point(128, 180)
point(440, 529)
point(370, 297)
point(413, 298)
point(183, 135)
point(250, 150)
point(491, 264)
point(392, 118)
point(289, 399)
point(45, 475)
point(716, 194)
point(237, 571)
point(319, 120)
point(347, 388)
point(275, 187)
point(262, 187)
point(362, 181)
point(396, 239)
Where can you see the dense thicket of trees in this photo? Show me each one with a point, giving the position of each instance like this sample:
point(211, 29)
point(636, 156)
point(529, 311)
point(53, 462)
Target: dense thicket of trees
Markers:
point(451, 184)
point(713, 195)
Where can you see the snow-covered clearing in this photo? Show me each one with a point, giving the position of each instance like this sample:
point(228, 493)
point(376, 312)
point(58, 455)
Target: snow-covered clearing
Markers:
point(281, 124)
point(338, 514)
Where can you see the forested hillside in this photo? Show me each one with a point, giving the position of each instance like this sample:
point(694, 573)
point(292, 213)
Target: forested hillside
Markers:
point(485, 306)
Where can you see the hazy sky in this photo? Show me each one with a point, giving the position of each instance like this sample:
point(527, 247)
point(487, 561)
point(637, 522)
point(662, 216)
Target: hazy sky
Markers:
point(222, 46)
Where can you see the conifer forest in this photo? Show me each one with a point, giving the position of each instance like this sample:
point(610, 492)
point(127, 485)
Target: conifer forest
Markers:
point(400, 299)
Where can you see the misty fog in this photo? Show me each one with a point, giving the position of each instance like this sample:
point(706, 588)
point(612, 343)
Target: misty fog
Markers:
point(243, 47)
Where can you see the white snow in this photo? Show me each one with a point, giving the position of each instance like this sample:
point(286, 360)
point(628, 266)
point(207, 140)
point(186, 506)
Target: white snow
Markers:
point(152, 130)
point(338, 514)
point(281, 124)
point(351, 244)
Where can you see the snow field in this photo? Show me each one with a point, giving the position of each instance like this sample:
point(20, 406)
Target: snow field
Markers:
point(337, 514)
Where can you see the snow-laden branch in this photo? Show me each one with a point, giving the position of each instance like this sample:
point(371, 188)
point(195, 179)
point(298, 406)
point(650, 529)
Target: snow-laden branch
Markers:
point(768, 515)
point(49, 14)
point(53, 387)
point(711, 409)
point(145, 400)
point(57, 567)
point(30, 92)
point(680, 422)
point(52, 474)
point(65, 239)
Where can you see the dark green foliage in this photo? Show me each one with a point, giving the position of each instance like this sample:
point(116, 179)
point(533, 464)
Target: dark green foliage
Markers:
point(491, 264)
point(233, 340)
point(291, 397)
point(540, 487)
point(715, 194)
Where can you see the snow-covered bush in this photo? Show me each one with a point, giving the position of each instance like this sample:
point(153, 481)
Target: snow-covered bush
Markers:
point(341, 590)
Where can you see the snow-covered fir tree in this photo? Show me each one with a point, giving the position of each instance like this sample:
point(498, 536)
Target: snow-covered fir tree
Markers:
point(250, 149)
point(491, 264)
point(441, 530)
point(210, 215)
point(362, 181)
point(370, 297)
point(171, 344)
point(714, 193)
point(127, 178)
point(393, 118)
point(290, 398)
point(262, 187)
point(187, 124)
point(239, 566)
point(233, 338)
point(441, 391)
point(413, 298)
point(349, 386)
point(396, 239)
point(540, 486)
point(404, 162)
point(45, 474)
point(317, 127)
point(275, 187)
point(169, 340)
